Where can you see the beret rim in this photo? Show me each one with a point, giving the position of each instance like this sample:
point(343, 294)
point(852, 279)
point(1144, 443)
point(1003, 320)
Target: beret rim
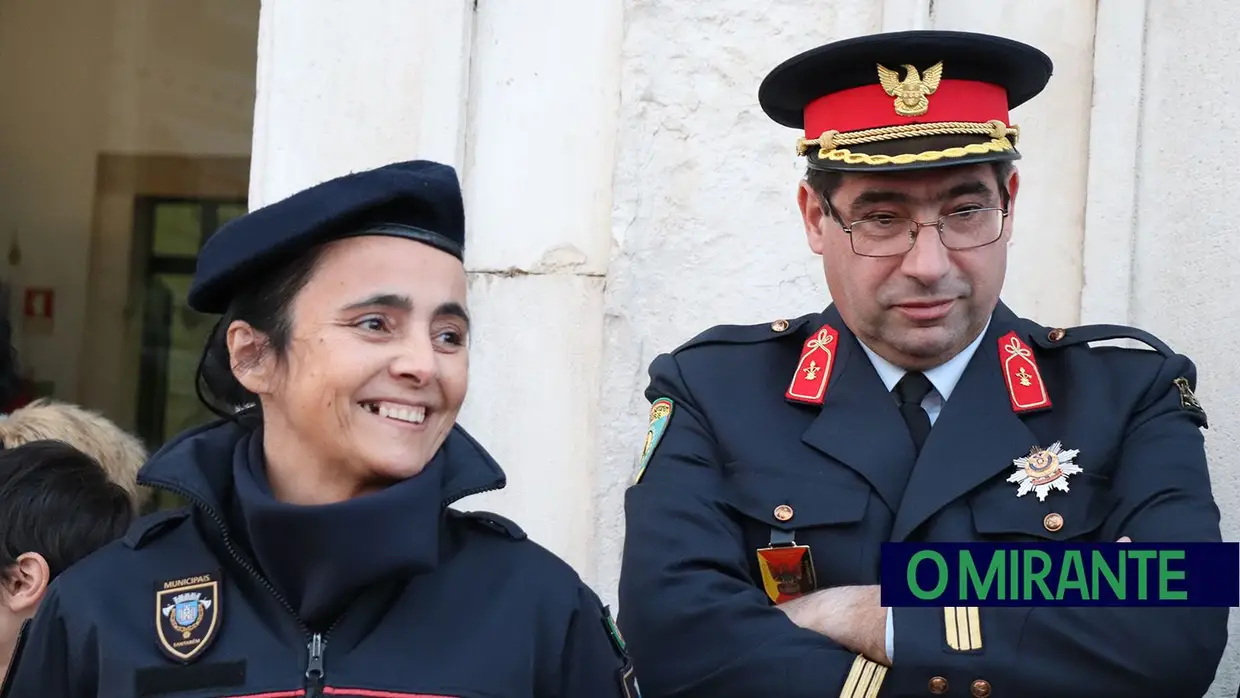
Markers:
point(419, 200)
point(211, 297)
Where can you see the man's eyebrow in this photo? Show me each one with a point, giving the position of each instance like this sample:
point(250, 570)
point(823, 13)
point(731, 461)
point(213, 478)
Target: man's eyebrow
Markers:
point(976, 186)
point(888, 196)
point(880, 196)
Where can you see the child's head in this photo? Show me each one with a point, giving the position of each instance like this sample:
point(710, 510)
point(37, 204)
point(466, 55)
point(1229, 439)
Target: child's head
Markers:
point(56, 507)
point(118, 451)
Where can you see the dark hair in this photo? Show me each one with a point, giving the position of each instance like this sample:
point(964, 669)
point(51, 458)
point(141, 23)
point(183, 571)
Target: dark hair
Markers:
point(266, 305)
point(58, 502)
point(825, 183)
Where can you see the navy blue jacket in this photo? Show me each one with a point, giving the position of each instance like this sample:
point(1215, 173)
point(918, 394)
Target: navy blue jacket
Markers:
point(178, 607)
point(739, 466)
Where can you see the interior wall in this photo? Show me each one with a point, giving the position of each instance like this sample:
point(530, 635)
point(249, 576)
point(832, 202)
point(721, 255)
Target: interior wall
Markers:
point(113, 329)
point(87, 77)
point(52, 57)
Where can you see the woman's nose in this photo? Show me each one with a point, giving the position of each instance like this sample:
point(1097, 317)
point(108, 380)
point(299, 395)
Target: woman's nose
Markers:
point(416, 360)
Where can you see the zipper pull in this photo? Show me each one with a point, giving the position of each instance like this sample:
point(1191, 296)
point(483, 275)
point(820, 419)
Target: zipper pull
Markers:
point(314, 667)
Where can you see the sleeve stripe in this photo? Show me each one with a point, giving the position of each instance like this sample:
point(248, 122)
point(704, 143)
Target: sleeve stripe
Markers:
point(963, 628)
point(864, 679)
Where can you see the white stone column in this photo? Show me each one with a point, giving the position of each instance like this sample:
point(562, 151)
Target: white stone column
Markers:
point(1185, 261)
point(906, 15)
point(539, 159)
point(345, 85)
point(1044, 262)
point(521, 97)
point(1114, 144)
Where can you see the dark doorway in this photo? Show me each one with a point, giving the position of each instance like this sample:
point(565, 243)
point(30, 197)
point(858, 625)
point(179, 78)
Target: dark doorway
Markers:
point(168, 233)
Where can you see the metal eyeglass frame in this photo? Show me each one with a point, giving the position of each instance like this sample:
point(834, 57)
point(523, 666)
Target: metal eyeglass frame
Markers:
point(916, 226)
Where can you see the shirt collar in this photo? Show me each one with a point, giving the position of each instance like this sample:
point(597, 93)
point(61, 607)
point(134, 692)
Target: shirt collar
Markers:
point(943, 377)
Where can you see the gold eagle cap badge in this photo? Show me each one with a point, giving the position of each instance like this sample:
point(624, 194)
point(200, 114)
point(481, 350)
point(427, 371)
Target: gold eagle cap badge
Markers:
point(911, 93)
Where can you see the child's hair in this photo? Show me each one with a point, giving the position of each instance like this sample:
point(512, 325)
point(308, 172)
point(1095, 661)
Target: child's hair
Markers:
point(56, 501)
point(119, 453)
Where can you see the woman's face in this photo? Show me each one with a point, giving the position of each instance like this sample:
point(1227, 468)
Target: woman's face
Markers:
point(375, 370)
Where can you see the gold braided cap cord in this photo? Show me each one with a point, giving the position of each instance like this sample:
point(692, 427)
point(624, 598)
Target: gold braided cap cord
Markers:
point(830, 143)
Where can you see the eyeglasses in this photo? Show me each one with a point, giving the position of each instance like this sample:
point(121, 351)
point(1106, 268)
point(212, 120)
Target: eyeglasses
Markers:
point(891, 237)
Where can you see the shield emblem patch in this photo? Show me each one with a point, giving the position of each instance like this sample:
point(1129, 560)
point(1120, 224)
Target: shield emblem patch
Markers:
point(187, 615)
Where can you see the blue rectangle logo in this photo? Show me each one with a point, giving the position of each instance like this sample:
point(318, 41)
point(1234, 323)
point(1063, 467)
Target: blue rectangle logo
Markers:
point(1060, 574)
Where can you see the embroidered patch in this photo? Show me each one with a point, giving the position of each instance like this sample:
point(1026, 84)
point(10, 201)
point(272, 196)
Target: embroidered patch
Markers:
point(1026, 390)
point(613, 631)
point(1044, 469)
point(813, 374)
point(187, 615)
point(660, 415)
point(626, 674)
point(1189, 401)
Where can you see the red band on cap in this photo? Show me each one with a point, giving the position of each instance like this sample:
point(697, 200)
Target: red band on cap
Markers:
point(870, 106)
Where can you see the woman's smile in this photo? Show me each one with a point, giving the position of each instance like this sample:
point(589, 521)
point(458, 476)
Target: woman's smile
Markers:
point(399, 414)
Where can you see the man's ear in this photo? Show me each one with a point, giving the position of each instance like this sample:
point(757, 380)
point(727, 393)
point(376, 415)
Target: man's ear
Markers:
point(1013, 187)
point(249, 357)
point(25, 584)
point(812, 215)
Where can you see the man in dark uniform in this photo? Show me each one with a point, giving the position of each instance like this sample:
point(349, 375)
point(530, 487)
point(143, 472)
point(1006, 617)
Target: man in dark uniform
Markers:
point(916, 407)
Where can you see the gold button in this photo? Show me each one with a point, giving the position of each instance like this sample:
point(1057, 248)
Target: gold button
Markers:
point(779, 325)
point(981, 689)
point(1056, 334)
point(1053, 522)
point(783, 512)
point(938, 685)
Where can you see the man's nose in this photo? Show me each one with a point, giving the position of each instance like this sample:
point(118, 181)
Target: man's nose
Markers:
point(928, 260)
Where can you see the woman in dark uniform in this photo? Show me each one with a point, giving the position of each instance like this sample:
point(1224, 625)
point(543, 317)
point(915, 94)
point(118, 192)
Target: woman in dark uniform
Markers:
point(320, 555)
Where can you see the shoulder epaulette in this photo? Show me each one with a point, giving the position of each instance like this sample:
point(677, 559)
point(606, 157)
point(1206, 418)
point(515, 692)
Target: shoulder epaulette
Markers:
point(745, 334)
point(493, 522)
point(148, 528)
point(1059, 337)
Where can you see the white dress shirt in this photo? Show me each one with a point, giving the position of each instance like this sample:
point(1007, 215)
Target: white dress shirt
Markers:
point(944, 378)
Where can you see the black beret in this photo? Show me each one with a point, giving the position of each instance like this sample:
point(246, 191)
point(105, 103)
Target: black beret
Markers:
point(905, 100)
point(420, 200)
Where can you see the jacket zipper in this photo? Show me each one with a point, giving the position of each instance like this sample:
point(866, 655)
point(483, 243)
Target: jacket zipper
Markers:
point(316, 645)
point(315, 674)
point(314, 667)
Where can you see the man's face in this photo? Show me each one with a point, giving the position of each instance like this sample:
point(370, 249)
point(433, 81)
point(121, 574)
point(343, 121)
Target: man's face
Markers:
point(920, 308)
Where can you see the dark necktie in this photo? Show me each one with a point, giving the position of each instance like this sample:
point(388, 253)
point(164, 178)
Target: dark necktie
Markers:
point(910, 391)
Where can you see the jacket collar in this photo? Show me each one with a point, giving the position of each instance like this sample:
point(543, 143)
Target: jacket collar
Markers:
point(197, 465)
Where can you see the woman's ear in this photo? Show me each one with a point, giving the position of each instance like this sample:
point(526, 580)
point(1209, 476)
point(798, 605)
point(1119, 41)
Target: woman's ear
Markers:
point(25, 584)
point(249, 356)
